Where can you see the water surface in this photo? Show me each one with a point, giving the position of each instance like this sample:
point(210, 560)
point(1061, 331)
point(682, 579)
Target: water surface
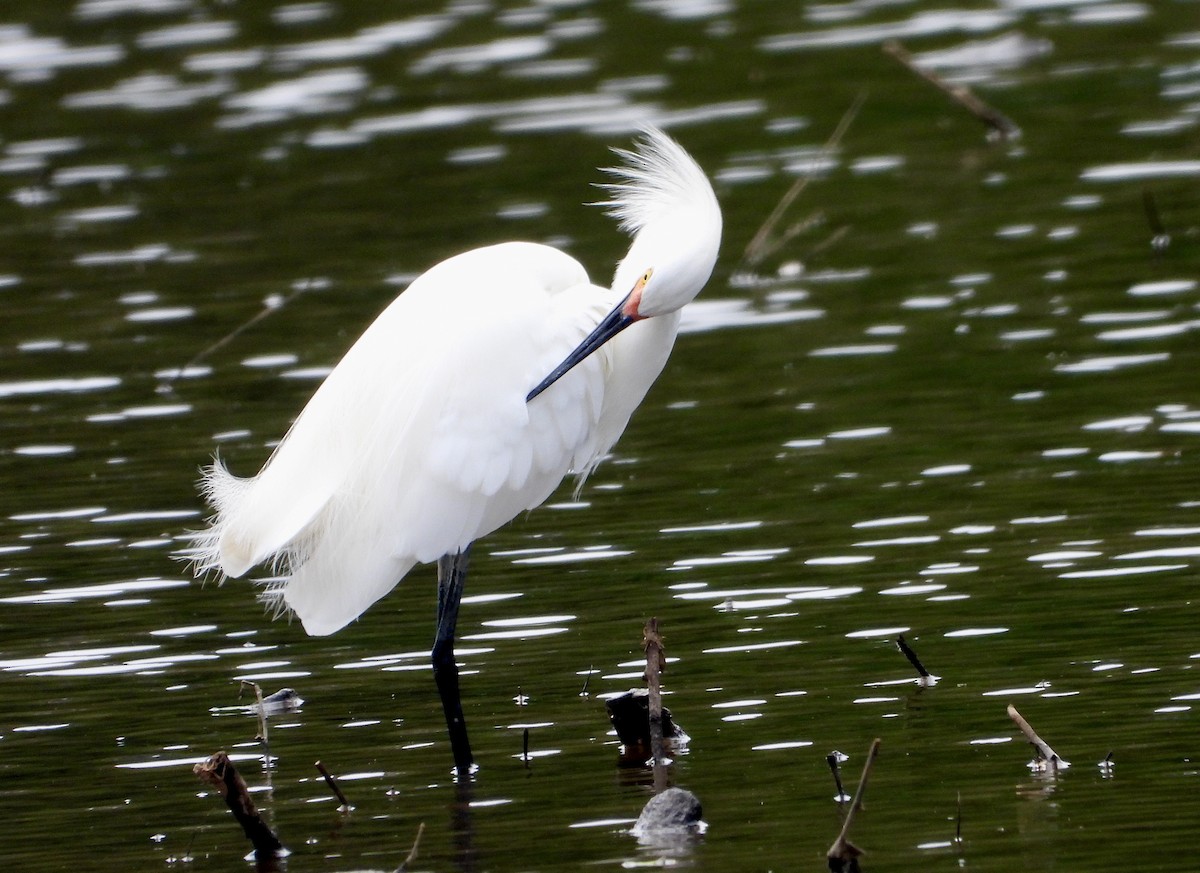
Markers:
point(953, 399)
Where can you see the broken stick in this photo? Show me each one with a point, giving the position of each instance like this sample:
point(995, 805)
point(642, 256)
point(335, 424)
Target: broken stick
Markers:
point(843, 855)
point(833, 759)
point(762, 244)
point(656, 662)
point(1047, 757)
point(218, 771)
point(1000, 125)
point(412, 855)
point(333, 786)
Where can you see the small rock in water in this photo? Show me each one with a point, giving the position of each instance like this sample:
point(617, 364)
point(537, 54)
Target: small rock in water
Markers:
point(630, 715)
point(283, 700)
point(675, 809)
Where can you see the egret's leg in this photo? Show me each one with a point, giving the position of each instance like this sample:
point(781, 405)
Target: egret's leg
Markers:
point(452, 576)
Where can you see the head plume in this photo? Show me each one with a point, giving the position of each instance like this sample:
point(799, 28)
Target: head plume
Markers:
point(657, 180)
point(664, 200)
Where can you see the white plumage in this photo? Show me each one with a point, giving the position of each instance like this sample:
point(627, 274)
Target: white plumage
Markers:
point(422, 439)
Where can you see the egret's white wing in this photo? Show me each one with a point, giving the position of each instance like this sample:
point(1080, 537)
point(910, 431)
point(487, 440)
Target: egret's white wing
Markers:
point(420, 440)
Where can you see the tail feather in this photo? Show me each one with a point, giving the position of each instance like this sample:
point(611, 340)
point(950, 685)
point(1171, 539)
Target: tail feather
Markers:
point(254, 519)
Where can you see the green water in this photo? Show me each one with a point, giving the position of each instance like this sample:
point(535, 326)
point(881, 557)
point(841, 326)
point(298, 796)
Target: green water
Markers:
point(957, 402)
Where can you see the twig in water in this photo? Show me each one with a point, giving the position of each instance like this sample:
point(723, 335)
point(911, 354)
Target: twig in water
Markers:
point(843, 855)
point(925, 678)
point(412, 855)
point(761, 244)
point(999, 124)
point(218, 771)
point(656, 663)
point(1047, 759)
point(273, 303)
point(902, 644)
point(525, 747)
point(262, 710)
point(833, 759)
point(334, 787)
point(958, 820)
point(586, 679)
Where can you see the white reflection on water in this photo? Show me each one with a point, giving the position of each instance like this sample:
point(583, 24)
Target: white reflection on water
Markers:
point(876, 632)
point(57, 386)
point(825, 593)
point(854, 350)
point(148, 92)
point(715, 527)
point(322, 93)
point(1121, 571)
point(719, 314)
point(924, 539)
point(156, 762)
point(838, 560)
point(908, 588)
point(516, 634)
point(1162, 287)
point(71, 656)
point(891, 521)
point(782, 744)
point(23, 55)
point(185, 631)
point(1141, 170)
point(1111, 363)
point(147, 515)
point(43, 451)
point(106, 589)
point(752, 647)
point(562, 556)
point(191, 33)
point(739, 556)
point(920, 23)
point(702, 592)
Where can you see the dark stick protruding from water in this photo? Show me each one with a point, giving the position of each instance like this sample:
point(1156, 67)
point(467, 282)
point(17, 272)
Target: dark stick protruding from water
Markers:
point(843, 855)
point(833, 759)
point(902, 644)
point(1000, 125)
point(218, 771)
point(1047, 757)
point(333, 786)
point(656, 662)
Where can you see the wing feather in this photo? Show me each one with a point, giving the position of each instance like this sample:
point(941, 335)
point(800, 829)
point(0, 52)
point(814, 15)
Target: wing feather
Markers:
point(420, 440)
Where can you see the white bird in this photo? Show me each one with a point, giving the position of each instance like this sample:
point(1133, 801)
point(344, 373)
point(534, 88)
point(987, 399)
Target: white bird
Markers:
point(441, 424)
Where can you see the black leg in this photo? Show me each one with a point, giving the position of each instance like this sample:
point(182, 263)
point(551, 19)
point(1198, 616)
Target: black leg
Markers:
point(452, 577)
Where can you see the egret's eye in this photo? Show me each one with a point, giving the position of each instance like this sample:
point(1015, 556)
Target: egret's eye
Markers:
point(646, 276)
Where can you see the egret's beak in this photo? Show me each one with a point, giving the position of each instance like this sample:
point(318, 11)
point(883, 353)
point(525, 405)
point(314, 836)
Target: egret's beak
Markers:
point(622, 315)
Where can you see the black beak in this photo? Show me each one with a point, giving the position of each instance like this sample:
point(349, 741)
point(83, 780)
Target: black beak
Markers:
point(612, 324)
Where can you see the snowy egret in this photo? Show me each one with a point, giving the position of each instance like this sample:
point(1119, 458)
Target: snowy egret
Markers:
point(434, 429)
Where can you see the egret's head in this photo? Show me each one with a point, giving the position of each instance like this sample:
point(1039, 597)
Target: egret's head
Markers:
point(667, 265)
point(665, 201)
